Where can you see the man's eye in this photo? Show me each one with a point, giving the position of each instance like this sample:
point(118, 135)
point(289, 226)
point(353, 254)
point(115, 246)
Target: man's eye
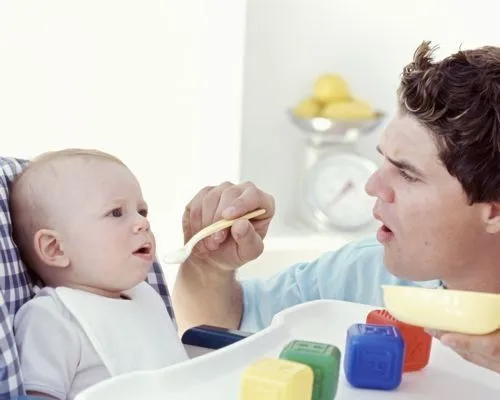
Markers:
point(116, 212)
point(143, 212)
point(407, 177)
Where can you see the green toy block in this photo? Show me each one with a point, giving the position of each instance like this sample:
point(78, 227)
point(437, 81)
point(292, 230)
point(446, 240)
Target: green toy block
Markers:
point(324, 359)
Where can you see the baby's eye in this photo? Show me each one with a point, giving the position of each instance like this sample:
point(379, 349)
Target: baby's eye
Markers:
point(143, 212)
point(116, 212)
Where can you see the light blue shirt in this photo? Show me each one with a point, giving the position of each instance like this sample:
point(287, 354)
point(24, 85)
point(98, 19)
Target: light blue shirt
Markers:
point(354, 273)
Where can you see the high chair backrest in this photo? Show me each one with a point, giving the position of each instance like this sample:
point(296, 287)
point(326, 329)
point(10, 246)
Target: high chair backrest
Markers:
point(16, 286)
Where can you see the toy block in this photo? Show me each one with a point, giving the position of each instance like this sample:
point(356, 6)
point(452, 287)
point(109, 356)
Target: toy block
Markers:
point(417, 342)
point(212, 337)
point(374, 357)
point(277, 379)
point(324, 359)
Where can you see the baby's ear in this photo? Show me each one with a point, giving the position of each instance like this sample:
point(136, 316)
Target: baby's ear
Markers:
point(49, 248)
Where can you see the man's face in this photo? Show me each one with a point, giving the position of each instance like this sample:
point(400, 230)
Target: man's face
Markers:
point(429, 231)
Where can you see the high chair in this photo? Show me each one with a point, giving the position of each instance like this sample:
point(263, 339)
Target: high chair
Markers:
point(16, 286)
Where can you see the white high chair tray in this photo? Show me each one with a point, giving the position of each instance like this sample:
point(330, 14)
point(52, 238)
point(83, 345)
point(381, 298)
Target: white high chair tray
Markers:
point(217, 375)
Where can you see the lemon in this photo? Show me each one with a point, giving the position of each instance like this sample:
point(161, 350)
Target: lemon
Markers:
point(307, 108)
point(348, 110)
point(330, 88)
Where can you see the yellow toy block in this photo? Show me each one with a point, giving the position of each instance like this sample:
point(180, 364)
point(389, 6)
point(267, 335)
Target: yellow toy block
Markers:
point(277, 379)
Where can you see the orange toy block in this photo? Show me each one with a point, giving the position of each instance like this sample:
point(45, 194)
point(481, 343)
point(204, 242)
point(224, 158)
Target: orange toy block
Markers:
point(418, 342)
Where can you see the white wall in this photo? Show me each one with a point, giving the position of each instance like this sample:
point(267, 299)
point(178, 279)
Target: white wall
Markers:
point(157, 83)
point(290, 42)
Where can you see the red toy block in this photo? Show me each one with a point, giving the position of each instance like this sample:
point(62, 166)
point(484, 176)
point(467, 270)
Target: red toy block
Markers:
point(418, 342)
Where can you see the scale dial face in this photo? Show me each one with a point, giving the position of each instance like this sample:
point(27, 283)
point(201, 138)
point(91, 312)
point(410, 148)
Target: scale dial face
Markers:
point(335, 191)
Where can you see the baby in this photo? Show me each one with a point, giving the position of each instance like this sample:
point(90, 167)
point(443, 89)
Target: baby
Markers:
point(80, 222)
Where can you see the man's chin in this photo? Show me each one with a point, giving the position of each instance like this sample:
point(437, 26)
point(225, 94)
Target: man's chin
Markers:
point(405, 271)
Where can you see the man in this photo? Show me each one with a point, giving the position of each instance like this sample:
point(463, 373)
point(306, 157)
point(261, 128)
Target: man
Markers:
point(438, 201)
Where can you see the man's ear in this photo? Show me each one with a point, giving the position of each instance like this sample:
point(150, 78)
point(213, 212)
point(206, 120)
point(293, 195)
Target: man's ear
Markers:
point(491, 217)
point(49, 248)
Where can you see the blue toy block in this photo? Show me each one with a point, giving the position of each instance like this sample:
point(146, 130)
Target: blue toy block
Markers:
point(212, 337)
point(374, 356)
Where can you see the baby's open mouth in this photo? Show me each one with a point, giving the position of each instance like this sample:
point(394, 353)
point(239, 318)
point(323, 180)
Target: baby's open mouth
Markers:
point(144, 249)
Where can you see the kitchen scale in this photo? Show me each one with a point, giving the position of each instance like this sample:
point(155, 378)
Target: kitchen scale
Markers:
point(332, 189)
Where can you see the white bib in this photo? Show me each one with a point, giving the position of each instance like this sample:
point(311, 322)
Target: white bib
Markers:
point(128, 335)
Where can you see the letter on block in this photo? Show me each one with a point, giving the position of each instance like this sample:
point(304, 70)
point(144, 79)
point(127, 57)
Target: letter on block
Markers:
point(324, 359)
point(417, 341)
point(374, 357)
point(276, 379)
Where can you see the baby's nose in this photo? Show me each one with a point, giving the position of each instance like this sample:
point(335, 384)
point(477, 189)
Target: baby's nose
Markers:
point(142, 224)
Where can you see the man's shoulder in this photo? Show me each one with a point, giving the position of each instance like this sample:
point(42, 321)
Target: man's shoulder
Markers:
point(366, 249)
point(355, 272)
point(366, 244)
point(360, 266)
point(360, 260)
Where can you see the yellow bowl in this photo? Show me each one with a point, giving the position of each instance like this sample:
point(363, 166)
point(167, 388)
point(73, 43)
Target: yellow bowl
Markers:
point(466, 312)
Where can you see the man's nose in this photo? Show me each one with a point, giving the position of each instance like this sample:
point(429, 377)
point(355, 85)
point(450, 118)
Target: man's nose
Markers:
point(141, 224)
point(377, 187)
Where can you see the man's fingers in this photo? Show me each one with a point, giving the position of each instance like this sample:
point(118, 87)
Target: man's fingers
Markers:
point(206, 209)
point(479, 359)
point(248, 241)
point(249, 200)
point(483, 350)
point(229, 196)
point(186, 223)
point(213, 242)
point(435, 333)
point(229, 201)
point(487, 345)
point(192, 220)
point(211, 202)
point(456, 342)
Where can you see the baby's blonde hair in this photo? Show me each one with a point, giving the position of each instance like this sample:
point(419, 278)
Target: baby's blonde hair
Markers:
point(29, 203)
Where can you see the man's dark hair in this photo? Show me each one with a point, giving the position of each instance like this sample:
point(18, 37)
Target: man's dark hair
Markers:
point(458, 100)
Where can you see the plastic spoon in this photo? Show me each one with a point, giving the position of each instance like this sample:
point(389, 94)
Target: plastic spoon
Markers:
point(179, 256)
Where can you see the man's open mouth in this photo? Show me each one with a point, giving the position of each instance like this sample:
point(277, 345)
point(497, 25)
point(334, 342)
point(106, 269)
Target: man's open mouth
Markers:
point(385, 228)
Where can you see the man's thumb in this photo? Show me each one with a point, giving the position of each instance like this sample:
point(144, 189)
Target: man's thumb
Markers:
point(249, 243)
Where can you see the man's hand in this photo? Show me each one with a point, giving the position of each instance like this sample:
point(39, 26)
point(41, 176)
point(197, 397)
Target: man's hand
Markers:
point(235, 246)
point(206, 290)
point(483, 350)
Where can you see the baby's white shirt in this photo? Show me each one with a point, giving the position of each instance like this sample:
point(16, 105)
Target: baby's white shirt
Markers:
point(69, 340)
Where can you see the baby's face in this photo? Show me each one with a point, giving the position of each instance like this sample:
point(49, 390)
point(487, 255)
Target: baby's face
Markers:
point(104, 227)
